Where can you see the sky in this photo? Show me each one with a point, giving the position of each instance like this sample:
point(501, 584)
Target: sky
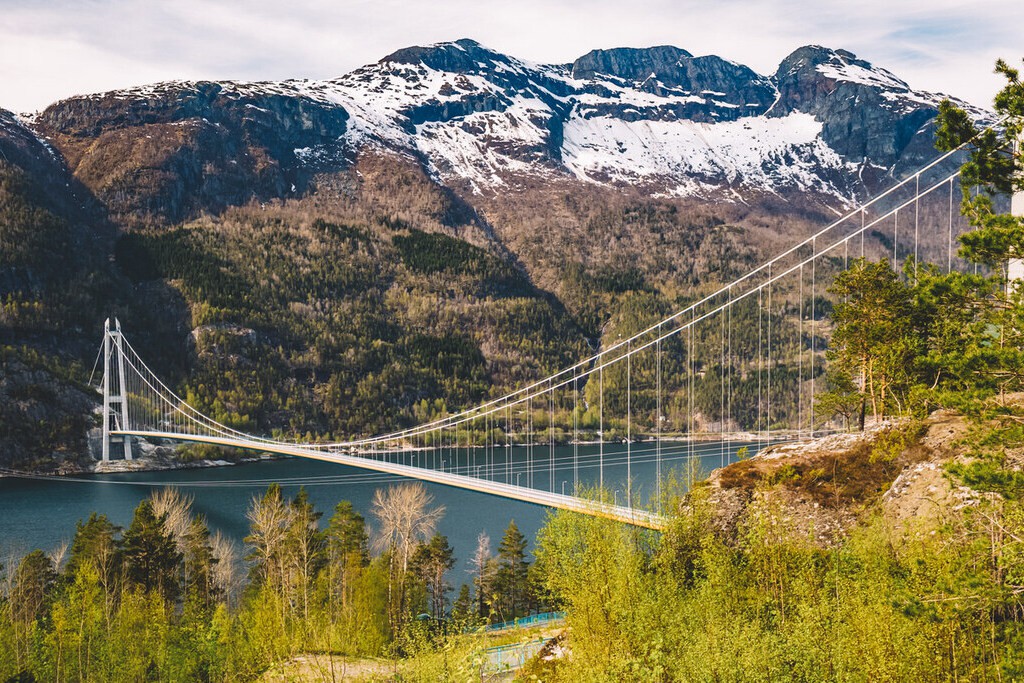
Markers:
point(51, 49)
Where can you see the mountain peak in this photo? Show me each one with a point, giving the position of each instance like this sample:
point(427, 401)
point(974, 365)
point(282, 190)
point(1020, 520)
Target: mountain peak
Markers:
point(463, 55)
point(838, 65)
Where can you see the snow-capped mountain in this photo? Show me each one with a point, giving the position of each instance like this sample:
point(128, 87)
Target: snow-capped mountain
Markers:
point(660, 119)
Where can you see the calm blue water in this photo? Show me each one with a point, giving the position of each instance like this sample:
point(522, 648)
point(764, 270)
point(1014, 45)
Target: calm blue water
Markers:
point(43, 514)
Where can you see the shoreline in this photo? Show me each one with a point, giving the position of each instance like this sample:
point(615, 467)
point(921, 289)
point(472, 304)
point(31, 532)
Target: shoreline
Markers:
point(157, 458)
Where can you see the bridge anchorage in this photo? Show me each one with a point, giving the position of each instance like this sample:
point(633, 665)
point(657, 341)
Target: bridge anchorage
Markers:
point(737, 368)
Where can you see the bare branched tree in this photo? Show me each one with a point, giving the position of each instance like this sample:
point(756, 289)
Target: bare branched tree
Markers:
point(482, 566)
point(226, 575)
point(178, 510)
point(269, 519)
point(59, 554)
point(406, 520)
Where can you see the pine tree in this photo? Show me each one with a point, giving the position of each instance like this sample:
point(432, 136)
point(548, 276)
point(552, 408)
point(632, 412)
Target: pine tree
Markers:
point(463, 609)
point(430, 562)
point(30, 591)
point(95, 544)
point(874, 339)
point(199, 564)
point(513, 571)
point(149, 554)
point(347, 550)
point(995, 168)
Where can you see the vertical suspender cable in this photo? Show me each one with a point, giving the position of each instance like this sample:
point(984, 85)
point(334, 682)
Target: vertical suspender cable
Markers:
point(691, 371)
point(895, 239)
point(575, 433)
point(657, 426)
point(917, 220)
point(600, 440)
point(949, 244)
point(551, 435)
point(768, 362)
point(721, 394)
point(731, 363)
point(800, 356)
point(760, 359)
point(629, 428)
point(862, 225)
point(814, 324)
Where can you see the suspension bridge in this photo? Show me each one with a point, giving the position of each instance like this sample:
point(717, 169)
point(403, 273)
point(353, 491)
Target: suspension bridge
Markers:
point(739, 366)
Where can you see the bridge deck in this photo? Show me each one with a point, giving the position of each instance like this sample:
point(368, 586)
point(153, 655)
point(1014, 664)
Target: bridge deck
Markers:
point(641, 518)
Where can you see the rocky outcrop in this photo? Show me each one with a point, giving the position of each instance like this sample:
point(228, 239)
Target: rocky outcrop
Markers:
point(44, 417)
point(172, 150)
point(719, 90)
point(820, 489)
point(868, 115)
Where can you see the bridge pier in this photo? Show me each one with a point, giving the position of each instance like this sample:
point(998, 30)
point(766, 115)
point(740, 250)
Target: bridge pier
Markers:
point(112, 344)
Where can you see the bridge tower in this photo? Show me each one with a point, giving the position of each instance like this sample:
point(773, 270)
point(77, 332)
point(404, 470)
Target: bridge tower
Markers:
point(115, 405)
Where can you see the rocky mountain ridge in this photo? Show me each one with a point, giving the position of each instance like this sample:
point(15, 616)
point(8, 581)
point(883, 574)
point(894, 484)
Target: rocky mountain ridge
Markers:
point(825, 124)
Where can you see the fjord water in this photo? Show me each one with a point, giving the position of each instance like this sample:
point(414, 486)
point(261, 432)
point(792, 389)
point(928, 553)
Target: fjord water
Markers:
point(42, 513)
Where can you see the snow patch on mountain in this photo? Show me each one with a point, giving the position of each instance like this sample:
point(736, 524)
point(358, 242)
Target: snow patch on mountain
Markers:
point(483, 148)
point(756, 152)
point(855, 73)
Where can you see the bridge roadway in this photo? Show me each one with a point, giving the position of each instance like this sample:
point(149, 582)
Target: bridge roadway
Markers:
point(641, 518)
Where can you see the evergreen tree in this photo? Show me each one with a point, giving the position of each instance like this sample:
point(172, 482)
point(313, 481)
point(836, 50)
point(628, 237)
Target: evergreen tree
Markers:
point(199, 564)
point(95, 544)
point(149, 554)
point(430, 562)
point(996, 168)
point(347, 550)
point(33, 580)
point(874, 339)
point(511, 581)
point(463, 609)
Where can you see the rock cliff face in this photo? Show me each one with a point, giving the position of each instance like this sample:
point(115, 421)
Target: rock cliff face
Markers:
point(719, 90)
point(867, 113)
point(175, 149)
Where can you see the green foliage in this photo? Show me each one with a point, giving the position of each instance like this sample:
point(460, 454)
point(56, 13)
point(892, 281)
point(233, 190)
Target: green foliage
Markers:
point(775, 607)
point(436, 254)
point(874, 337)
point(329, 329)
point(431, 562)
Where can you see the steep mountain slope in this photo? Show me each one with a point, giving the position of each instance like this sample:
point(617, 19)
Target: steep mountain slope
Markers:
point(53, 250)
